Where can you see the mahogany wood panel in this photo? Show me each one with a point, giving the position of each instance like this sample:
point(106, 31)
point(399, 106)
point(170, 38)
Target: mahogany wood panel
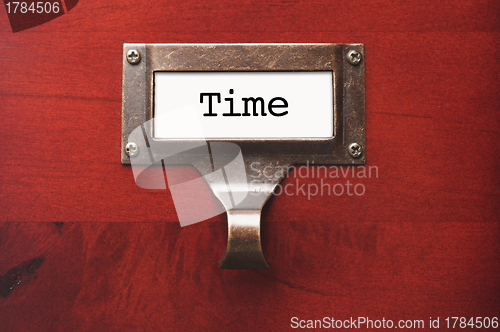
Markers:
point(84, 249)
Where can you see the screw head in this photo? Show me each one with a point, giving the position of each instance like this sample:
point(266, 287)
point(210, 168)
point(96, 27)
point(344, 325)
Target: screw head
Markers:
point(355, 150)
point(354, 57)
point(133, 57)
point(131, 149)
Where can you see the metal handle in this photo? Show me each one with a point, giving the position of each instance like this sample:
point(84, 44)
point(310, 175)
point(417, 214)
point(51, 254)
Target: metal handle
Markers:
point(243, 195)
point(244, 249)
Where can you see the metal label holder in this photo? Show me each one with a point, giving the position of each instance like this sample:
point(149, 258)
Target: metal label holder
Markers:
point(345, 147)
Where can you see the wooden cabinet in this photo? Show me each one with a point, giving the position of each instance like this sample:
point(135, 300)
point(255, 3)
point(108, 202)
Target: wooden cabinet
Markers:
point(84, 249)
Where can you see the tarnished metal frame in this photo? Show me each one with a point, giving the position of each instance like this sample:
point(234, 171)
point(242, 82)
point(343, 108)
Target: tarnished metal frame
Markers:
point(244, 249)
point(348, 84)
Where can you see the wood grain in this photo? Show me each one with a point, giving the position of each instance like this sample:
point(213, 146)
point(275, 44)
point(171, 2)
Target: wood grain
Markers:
point(422, 241)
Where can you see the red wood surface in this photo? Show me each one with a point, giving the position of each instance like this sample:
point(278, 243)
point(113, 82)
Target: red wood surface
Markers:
point(423, 241)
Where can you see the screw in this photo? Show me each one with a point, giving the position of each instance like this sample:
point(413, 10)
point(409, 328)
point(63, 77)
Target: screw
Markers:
point(355, 150)
point(131, 149)
point(354, 57)
point(133, 57)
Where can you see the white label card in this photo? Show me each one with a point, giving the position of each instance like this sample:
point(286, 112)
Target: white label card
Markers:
point(243, 105)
